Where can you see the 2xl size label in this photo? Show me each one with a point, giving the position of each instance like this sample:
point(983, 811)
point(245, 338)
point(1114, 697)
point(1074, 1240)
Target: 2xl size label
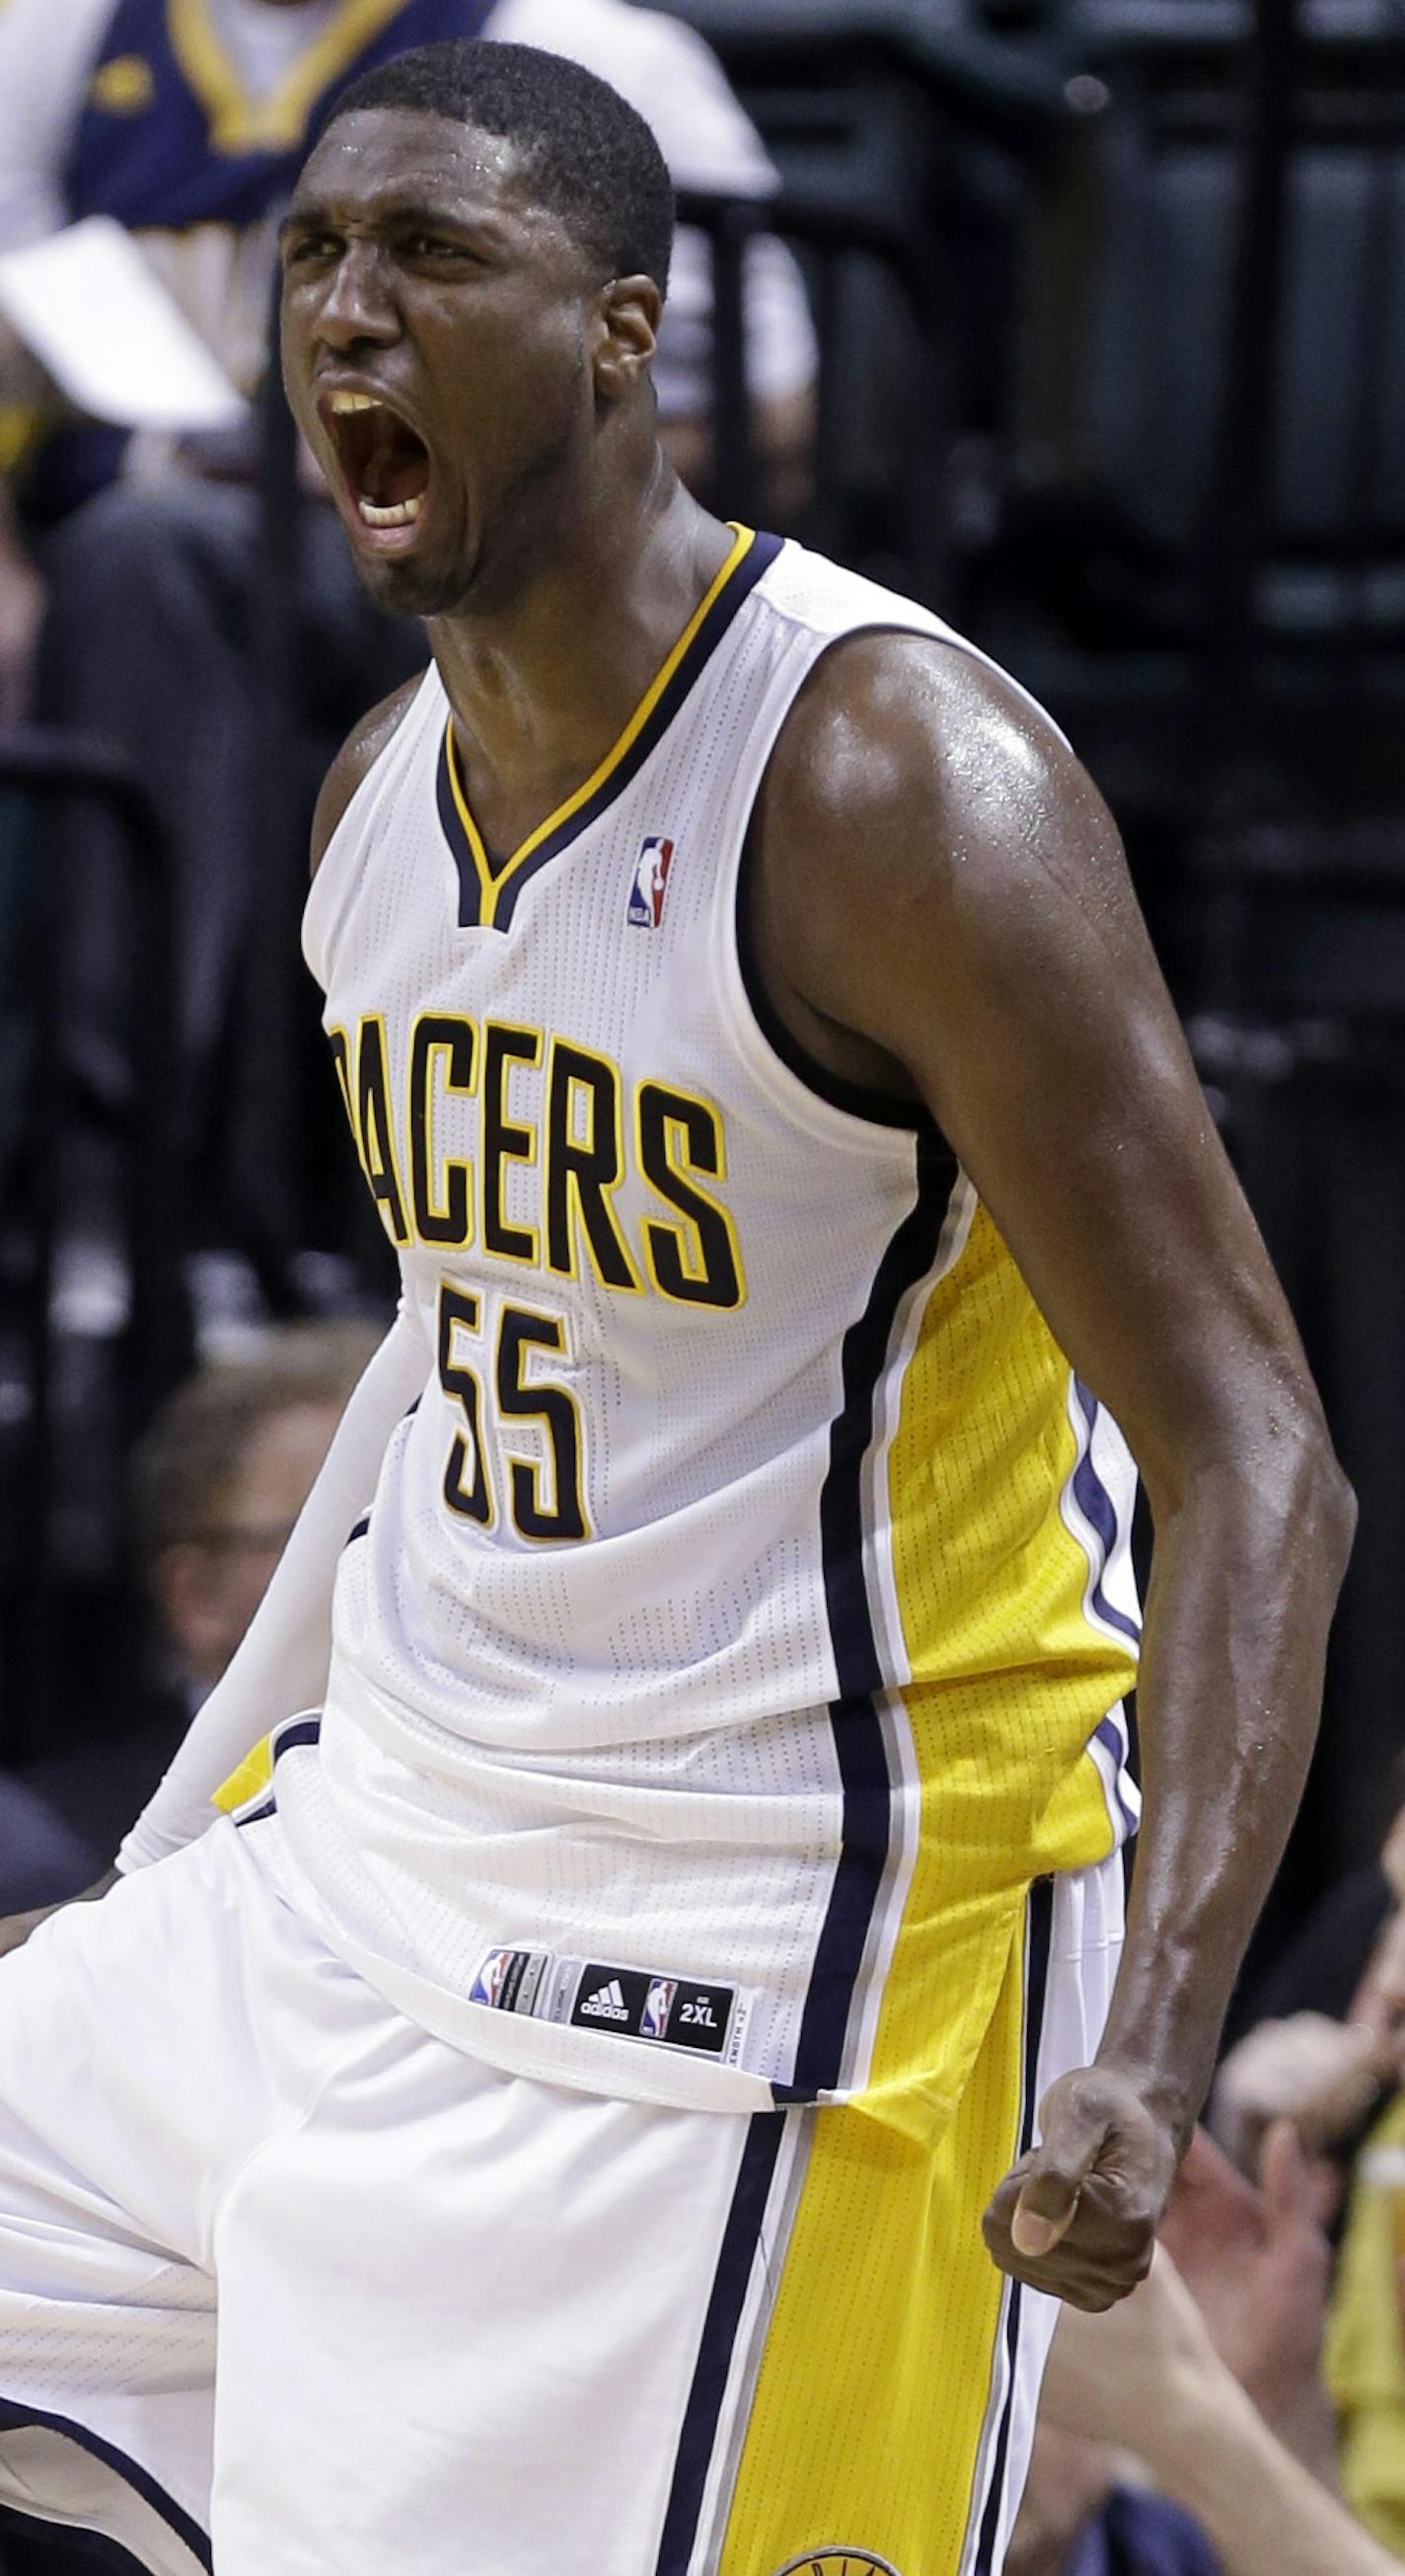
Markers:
point(633, 2003)
point(639, 2006)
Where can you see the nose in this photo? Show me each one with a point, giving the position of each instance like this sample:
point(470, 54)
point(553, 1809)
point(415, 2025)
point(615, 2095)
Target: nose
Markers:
point(357, 305)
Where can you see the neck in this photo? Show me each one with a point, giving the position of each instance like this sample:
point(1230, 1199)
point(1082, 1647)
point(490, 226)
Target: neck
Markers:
point(542, 687)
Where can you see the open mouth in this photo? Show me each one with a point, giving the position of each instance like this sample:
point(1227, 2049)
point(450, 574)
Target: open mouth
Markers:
point(384, 463)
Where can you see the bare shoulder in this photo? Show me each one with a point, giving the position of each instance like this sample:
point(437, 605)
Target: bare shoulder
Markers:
point(921, 818)
point(895, 730)
point(358, 755)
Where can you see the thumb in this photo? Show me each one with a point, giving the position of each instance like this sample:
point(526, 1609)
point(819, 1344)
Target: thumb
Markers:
point(1054, 2178)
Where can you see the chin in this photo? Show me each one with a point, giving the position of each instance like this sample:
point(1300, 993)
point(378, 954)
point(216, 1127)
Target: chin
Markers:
point(410, 589)
point(404, 589)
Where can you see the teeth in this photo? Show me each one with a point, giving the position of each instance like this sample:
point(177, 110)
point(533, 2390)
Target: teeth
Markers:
point(401, 515)
point(354, 402)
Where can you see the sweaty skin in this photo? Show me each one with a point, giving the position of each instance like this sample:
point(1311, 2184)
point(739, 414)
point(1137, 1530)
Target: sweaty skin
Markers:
point(978, 935)
point(941, 908)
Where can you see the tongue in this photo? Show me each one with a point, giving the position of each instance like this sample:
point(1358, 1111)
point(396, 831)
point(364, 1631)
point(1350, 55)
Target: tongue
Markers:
point(398, 471)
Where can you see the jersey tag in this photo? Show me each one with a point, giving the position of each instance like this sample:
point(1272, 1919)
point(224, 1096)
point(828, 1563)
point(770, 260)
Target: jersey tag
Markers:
point(675, 2010)
point(631, 2003)
point(510, 1980)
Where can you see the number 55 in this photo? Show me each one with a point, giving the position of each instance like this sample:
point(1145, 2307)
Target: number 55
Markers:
point(546, 1495)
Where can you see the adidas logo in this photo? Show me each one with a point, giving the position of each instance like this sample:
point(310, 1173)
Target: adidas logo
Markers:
point(607, 2003)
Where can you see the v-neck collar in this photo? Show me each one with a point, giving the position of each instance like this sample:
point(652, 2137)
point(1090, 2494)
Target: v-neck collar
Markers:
point(488, 892)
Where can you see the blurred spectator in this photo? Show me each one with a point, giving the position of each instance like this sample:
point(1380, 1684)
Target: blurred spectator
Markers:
point(1366, 2334)
point(1327, 2069)
point(220, 1479)
point(1256, 2263)
point(1081, 2517)
point(1331, 2040)
point(1145, 2379)
point(187, 120)
point(1366, 2337)
point(1319, 2073)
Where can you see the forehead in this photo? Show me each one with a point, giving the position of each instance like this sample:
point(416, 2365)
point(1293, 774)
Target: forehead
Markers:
point(381, 159)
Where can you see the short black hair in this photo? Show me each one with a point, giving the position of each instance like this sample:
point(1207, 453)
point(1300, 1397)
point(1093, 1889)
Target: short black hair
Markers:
point(591, 157)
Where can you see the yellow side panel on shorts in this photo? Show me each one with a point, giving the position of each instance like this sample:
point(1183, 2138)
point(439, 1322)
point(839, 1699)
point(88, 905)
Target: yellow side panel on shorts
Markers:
point(888, 2296)
point(1009, 1678)
point(253, 1776)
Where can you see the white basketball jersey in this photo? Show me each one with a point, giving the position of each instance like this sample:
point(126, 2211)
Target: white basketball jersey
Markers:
point(742, 1614)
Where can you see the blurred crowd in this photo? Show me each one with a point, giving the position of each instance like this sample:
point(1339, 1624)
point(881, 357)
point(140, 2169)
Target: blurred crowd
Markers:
point(1244, 2412)
point(218, 1481)
point(130, 556)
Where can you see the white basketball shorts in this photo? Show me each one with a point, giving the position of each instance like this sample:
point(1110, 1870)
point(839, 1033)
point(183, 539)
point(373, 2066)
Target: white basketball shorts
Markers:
point(290, 2288)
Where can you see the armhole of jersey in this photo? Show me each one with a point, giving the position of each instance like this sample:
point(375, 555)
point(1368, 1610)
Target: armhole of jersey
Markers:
point(319, 892)
point(874, 1107)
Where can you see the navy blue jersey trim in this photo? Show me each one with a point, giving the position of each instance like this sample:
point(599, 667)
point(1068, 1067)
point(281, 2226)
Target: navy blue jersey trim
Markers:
point(1096, 1504)
point(91, 2546)
point(757, 560)
point(1038, 1940)
point(880, 1108)
point(1109, 1734)
point(451, 826)
point(16, 2417)
point(740, 2241)
point(359, 1528)
point(301, 1730)
point(858, 1731)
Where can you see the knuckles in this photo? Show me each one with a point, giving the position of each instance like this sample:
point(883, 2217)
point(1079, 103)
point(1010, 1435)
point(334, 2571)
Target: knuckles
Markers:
point(1105, 2144)
point(1107, 2251)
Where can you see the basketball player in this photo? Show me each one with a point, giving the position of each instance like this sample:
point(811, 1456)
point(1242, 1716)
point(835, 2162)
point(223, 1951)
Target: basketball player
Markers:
point(546, 2125)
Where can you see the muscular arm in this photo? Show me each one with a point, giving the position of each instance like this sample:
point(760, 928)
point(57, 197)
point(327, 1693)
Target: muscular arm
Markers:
point(942, 902)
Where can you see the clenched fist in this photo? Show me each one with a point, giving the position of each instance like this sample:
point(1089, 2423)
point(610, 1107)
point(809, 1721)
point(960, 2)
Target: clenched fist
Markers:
point(1078, 2215)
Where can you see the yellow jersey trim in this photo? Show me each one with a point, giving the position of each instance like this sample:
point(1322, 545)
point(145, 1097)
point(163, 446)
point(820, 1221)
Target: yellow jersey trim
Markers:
point(492, 880)
point(278, 123)
point(247, 1782)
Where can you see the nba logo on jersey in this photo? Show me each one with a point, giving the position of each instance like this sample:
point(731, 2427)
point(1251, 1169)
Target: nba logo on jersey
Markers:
point(488, 1984)
point(650, 884)
point(658, 2004)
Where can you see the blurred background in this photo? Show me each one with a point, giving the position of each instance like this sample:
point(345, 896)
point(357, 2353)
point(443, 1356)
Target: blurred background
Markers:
point(1082, 321)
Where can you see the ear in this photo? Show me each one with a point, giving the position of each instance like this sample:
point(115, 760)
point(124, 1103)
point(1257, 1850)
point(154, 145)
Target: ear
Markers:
point(627, 331)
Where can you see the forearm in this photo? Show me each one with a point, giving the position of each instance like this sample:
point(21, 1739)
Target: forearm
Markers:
point(281, 1666)
point(1146, 2379)
point(1245, 1574)
point(1308, 2429)
point(1265, 2512)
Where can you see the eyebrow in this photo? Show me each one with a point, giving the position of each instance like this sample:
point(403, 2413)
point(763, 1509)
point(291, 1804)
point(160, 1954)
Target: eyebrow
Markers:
point(384, 214)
